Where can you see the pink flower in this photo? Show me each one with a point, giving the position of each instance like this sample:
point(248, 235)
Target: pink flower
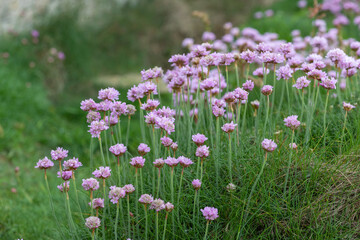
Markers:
point(292, 122)
point(159, 163)
point(347, 106)
point(268, 145)
point(72, 164)
point(65, 175)
point(64, 186)
point(210, 213)
point(202, 151)
point(293, 146)
point(110, 94)
point(301, 83)
point(137, 162)
point(157, 205)
point(169, 207)
point(96, 127)
point(129, 188)
point(92, 222)
point(196, 184)
point(184, 161)
point(166, 141)
point(255, 104)
point(146, 199)
point(59, 154)
point(118, 149)
point(97, 203)
point(44, 163)
point(102, 172)
point(171, 162)
point(267, 90)
point(229, 127)
point(88, 104)
point(199, 139)
point(116, 193)
point(90, 184)
point(248, 85)
point(143, 149)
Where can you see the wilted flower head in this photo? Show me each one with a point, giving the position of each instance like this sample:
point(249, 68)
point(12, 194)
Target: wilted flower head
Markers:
point(116, 193)
point(231, 187)
point(146, 199)
point(210, 213)
point(184, 161)
point(137, 162)
point(143, 149)
point(268, 145)
point(159, 163)
point(157, 205)
point(255, 104)
point(292, 122)
point(102, 172)
point(229, 127)
point(92, 222)
point(202, 151)
point(97, 203)
point(267, 90)
point(44, 163)
point(196, 184)
point(64, 186)
point(118, 149)
point(59, 153)
point(130, 109)
point(72, 164)
point(90, 184)
point(347, 106)
point(199, 139)
point(169, 207)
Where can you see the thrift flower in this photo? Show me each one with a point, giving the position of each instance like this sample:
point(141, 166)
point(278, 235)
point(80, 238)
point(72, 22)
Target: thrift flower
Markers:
point(102, 172)
point(129, 188)
point(137, 162)
point(146, 199)
point(65, 175)
point(184, 161)
point(116, 193)
point(159, 163)
point(72, 164)
point(44, 163)
point(231, 187)
point(90, 184)
point(196, 183)
point(199, 139)
point(171, 162)
point(97, 203)
point(210, 213)
point(118, 149)
point(202, 151)
point(347, 106)
point(267, 90)
point(157, 205)
point(143, 149)
point(64, 186)
point(92, 222)
point(268, 145)
point(293, 146)
point(59, 154)
point(229, 127)
point(301, 83)
point(292, 122)
point(169, 207)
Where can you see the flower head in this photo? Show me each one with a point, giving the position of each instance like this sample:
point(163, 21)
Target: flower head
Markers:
point(248, 85)
point(169, 207)
point(65, 175)
point(110, 94)
point(44, 163)
point(146, 199)
point(171, 161)
point(301, 83)
point(255, 104)
point(64, 186)
point(96, 127)
point(129, 188)
point(116, 193)
point(157, 205)
point(59, 154)
point(268, 145)
point(92, 222)
point(184, 161)
point(347, 106)
point(267, 90)
point(137, 162)
point(229, 127)
point(202, 151)
point(292, 122)
point(328, 83)
point(90, 184)
point(72, 164)
point(143, 149)
point(231, 187)
point(292, 146)
point(118, 149)
point(199, 139)
point(196, 183)
point(210, 213)
point(97, 203)
point(102, 172)
point(159, 163)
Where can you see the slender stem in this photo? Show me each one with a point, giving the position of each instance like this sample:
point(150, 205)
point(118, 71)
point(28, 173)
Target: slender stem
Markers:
point(166, 217)
point(201, 169)
point(230, 160)
point(289, 163)
point(218, 150)
point(325, 111)
point(206, 230)
point(128, 130)
point(116, 219)
point(172, 197)
point(101, 151)
point(158, 184)
point(136, 202)
point(179, 194)
point(249, 198)
point(128, 209)
point(194, 209)
point(157, 225)
point(343, 131)
point(146, 222)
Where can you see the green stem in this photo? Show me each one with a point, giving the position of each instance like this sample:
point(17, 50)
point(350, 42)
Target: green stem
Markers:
point(325, 111)
point(343, 131)
point(206, 230)
point(230, 160)
point(128, 213)
point(218, 150)
point(116, 219)
point(194, 209)
point(289, 163)
point(157, 225)
point(166, 217)
point(146, 222)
